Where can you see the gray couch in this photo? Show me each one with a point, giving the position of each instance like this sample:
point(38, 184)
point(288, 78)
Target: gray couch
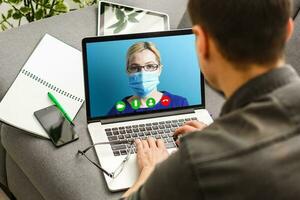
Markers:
point(31, 168)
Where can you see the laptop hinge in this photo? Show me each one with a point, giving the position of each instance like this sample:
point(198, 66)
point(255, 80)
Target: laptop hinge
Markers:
point(147, 116)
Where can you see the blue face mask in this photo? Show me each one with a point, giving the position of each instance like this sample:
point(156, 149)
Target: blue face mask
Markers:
point(143, 83)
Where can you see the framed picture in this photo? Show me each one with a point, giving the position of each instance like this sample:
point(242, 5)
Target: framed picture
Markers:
point(116, 19)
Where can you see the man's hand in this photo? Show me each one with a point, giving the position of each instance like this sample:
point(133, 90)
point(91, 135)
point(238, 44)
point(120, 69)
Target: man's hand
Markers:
point(188, 127)
point(150, 152)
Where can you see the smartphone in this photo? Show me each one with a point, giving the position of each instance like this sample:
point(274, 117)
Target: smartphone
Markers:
point(59, 129)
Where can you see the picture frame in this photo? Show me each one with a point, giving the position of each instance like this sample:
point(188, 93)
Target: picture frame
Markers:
point(115, 19)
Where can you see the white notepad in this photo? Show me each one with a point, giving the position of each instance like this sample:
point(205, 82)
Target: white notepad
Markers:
point(53, 67)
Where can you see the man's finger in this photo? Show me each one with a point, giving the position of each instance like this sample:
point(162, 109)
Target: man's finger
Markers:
point(160, 144)
point(184, 129)
point(196, 124)
point(151, 142)
point(139, 145)
point(145, 144)
point(177, 142)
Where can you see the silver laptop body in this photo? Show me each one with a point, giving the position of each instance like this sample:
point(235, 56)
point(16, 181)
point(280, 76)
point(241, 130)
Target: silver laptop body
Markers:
point(160, 123)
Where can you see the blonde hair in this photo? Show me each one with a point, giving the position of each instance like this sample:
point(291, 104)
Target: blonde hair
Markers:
point(140, 46)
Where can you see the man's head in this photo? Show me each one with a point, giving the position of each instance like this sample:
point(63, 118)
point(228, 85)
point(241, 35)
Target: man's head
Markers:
point(242, 33)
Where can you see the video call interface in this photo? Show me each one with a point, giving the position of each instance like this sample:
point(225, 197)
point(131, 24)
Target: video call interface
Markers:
point(137, 76)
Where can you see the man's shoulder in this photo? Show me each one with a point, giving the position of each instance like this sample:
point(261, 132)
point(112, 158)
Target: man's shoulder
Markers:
point(174, 96)
point(242, 130)
point(288, 99)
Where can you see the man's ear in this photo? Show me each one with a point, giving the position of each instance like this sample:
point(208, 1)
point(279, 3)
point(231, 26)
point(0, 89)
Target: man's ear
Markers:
point(290, 29)
point(202, 43)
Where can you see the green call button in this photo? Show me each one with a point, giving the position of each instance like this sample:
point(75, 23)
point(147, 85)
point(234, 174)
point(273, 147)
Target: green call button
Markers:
point(135, 104)
point(150, 102)
point(120, 106)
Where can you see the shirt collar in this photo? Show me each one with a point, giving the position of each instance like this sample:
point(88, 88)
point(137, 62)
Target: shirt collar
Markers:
point(260, 86)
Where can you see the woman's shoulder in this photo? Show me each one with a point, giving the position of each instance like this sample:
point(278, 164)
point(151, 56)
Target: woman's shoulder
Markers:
point(126, 99)
point(173, 96)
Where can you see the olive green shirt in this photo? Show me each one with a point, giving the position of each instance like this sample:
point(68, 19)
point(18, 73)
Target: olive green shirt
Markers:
point(251, 152)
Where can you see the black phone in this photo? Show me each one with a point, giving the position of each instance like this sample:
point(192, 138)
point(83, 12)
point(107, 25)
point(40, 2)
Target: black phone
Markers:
point(59, 129)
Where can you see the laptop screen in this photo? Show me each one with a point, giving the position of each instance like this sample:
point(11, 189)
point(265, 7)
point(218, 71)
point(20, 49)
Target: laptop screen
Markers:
point(141, 73)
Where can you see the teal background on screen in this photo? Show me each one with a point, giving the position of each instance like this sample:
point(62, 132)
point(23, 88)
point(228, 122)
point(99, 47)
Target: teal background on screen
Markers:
point(108, 81)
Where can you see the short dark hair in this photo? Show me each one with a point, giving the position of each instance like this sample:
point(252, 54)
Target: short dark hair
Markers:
point(245, 31)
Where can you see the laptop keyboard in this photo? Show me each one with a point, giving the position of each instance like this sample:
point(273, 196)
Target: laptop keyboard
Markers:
point(160, 130)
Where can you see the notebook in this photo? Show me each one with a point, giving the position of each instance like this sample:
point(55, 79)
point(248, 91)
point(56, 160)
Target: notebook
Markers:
point(53, 66)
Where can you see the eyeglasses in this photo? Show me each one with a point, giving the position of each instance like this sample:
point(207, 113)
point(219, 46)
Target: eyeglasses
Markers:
point(121, 166)
point(137, 68)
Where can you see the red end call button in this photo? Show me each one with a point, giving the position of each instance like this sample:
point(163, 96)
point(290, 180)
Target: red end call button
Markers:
point(165, 101)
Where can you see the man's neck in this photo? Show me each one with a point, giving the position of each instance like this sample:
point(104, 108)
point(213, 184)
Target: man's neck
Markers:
point(235, 78)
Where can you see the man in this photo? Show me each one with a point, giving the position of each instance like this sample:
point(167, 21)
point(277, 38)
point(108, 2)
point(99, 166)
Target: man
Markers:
point(252, 151)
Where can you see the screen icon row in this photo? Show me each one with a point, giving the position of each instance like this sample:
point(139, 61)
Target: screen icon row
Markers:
point(136, 103)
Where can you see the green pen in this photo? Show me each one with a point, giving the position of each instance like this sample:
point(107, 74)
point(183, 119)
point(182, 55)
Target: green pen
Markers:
point(55, 102)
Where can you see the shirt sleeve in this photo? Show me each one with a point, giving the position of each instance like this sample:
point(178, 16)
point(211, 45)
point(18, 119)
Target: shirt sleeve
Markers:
point(172, 179)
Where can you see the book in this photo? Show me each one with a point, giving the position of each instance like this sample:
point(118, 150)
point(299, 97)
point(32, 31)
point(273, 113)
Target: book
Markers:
point(52, 67)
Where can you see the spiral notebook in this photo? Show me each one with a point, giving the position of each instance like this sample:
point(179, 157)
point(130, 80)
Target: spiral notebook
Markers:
point(53, 66)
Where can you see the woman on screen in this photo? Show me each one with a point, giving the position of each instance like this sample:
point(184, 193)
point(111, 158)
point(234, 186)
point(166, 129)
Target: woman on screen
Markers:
point(143, 69)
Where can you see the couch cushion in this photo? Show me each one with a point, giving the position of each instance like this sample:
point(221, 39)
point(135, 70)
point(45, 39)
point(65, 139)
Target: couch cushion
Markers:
point(185, 21)
point(59, 173)
point(296, 7)
point(293, 47)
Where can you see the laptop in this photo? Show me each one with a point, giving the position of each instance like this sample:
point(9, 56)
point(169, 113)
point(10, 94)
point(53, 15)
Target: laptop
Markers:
point(136, 86)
